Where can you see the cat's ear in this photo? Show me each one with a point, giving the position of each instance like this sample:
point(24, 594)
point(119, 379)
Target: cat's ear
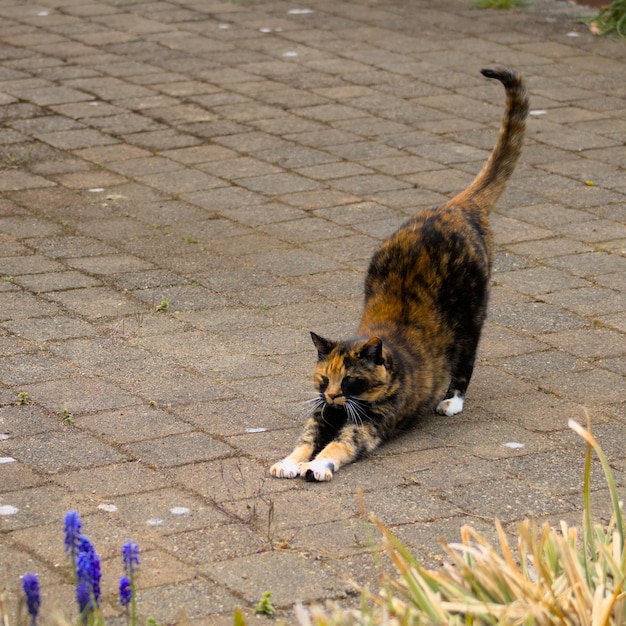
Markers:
point(372, 351)
point(324, 346)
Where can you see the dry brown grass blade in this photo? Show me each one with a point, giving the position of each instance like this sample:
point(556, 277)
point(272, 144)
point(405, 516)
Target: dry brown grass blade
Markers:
point(3, 609)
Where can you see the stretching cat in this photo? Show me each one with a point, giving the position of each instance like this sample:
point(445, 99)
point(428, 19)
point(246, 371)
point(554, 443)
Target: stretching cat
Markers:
point(426, 295)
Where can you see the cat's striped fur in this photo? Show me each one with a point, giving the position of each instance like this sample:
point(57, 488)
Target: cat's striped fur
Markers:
point(426, 295)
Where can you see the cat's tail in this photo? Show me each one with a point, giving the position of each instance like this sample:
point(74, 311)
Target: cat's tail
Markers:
point(491, 181)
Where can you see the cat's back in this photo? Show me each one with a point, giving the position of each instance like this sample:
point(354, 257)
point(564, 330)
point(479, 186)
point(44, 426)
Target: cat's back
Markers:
point(433, 246)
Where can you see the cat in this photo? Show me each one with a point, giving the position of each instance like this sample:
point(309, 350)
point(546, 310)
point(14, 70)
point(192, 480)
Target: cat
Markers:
point(426, 293)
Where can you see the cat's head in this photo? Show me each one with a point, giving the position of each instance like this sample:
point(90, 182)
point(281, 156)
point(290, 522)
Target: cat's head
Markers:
point(351, 370)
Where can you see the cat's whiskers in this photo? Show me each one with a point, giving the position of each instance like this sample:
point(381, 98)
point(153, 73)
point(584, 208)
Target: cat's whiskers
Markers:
point(356, 411)
point(353, 414)
point(324, 405)
point(308, 407)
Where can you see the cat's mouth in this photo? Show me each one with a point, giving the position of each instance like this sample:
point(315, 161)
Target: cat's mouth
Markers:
point(335, 401)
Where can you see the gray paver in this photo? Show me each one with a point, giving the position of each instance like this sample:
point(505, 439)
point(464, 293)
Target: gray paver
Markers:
point(241, 162)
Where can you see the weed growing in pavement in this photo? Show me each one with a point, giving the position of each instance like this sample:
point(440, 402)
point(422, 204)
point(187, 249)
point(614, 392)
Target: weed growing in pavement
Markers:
point(164, 306)
point(15, 158)
point(264, 605)
point(611, 20)
point(22, 399)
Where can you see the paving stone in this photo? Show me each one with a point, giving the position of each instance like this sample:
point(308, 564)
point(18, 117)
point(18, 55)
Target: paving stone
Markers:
point(36, 368)
point(179, 449)
point(409, 503)
point(594, 231)
point(17, 475)
point(25, 419)
point(312, 581)
point(219, 543)
point(62, 394)
point(292, 263)
point(13, 180)
point(536, 318)
point(595, 387)
point(514, 500)
point(542, 471)
point(67, 449)
point(588, 343)
point(535, 364)
point(166, 511)
point(540, 280)
point(75, 139)
point(588, 300)
point(32, 264)
point(96, 302)
point(112, 480)
point(240, 480)
point(499, 342)
point(193, 599)
point(21, 305)
point(128, 425)
point(223, 198)
point(37, 505)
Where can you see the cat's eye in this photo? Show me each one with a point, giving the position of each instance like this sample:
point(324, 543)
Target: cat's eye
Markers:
point(353, 386)
point(323, 383)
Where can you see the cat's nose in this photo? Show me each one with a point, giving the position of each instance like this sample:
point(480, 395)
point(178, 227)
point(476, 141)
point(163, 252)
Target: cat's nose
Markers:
point(333, 393)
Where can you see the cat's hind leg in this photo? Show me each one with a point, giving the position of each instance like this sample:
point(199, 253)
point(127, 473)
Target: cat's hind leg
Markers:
point(451, 406)
point(452, 403)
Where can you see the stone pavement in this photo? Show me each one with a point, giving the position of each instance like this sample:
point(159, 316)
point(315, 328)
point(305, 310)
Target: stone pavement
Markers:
point(190, 186)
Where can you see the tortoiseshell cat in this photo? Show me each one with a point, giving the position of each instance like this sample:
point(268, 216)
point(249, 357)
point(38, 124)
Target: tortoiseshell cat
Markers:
point(426, 295)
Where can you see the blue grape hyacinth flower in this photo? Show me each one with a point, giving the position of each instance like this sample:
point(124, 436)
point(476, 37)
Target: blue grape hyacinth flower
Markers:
point(130, 559)
point(88, 573)
point(30, 585)
point(72, 529)
point(130, 556)
point(126, 592)
point(83, 598)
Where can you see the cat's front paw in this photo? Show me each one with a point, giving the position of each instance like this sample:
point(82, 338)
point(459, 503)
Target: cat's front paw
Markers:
point(450, 406)
point(285, 469)
point(318, 471)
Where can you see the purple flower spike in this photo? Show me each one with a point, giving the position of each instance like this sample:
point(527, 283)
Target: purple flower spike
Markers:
point(83, 597)
point(126, 592)
point(30, 585)
point(72, 528)
point(88, 568)
point(130, 555)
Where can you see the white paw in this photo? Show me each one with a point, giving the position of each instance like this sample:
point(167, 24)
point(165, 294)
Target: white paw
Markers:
point(285, 469)
point(320, 471)
point(451, 406)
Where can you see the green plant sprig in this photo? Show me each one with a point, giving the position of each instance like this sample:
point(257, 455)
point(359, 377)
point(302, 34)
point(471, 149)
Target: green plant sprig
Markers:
point(611, 20)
